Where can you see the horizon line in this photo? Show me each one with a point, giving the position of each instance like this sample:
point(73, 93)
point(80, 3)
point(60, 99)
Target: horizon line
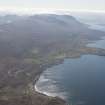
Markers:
point(41, 10)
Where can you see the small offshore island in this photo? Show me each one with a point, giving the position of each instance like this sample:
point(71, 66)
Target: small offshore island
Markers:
point(31, 44)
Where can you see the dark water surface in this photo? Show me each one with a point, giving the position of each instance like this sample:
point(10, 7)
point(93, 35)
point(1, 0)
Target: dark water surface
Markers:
point(81, 81)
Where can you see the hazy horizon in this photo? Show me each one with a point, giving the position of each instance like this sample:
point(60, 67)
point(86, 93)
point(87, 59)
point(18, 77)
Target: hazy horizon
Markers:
point(26, 6)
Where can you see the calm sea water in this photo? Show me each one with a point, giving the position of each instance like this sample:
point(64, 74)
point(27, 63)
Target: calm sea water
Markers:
point(80, 81)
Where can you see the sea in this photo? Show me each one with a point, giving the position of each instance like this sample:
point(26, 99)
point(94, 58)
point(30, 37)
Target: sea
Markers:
point(79, 81)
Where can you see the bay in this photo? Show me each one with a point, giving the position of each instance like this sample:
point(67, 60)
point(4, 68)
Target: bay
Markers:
point(80, 81)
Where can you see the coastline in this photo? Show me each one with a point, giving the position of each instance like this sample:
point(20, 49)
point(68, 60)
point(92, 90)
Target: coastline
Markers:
point(27, 59)
point(46, 93)
point(60, 61)
point(53, 93)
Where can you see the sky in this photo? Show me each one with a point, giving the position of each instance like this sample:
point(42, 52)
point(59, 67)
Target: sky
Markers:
point(47, 5)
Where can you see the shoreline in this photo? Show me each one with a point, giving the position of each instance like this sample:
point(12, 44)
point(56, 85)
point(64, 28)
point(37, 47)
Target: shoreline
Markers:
point(44, 69)
point(48, 94)
point(48, 66)
point(55, 93)
point(60, 61)
point(45, 93)
point(35, 88)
